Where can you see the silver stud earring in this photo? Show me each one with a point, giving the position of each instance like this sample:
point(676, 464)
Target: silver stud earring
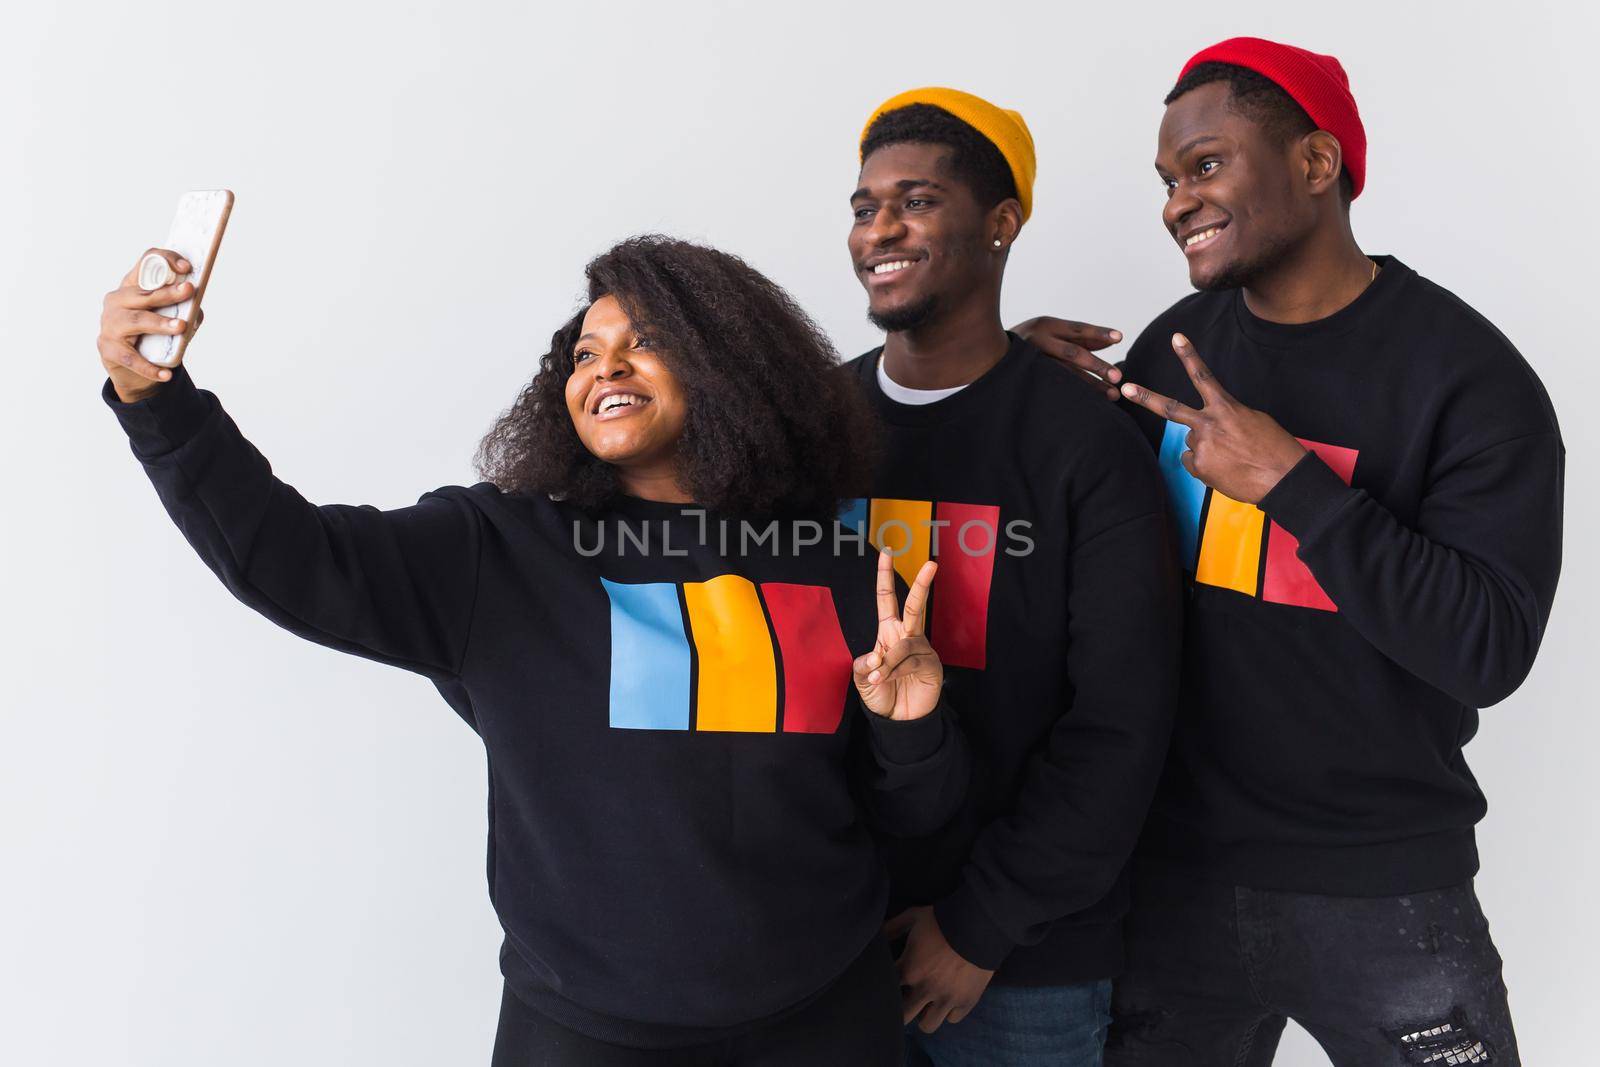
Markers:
point(997, 242)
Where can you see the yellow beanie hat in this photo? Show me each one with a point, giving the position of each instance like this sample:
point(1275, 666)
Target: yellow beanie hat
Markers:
point(1004, 129)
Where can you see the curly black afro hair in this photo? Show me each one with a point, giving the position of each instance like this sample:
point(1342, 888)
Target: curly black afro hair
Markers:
point(775, 426)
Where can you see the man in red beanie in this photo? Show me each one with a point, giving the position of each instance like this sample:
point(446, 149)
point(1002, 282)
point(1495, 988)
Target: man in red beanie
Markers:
point(1366, 478)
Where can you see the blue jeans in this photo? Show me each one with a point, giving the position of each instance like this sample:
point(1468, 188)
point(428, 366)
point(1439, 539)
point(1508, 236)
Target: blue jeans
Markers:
point(1021, 1026)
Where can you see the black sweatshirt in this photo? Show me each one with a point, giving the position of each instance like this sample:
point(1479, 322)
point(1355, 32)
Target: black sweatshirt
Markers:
point(1057, 613)
point(1342, 636)
point(683, 783)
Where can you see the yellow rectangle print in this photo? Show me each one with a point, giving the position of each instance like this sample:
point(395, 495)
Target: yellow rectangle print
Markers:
point(902, 527)
point(1230, 548)
point(737, 685)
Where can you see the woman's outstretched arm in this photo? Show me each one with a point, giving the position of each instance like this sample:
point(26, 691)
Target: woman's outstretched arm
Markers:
point(394, 586)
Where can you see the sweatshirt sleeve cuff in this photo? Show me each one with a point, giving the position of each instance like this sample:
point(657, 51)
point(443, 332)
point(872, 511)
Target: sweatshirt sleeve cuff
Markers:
point(906, 742)
point(164, 420)
point(1306, 498)
point(970, 931)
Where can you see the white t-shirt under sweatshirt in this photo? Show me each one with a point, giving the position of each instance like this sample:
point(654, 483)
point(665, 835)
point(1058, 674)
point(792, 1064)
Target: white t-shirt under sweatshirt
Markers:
point(902, 395)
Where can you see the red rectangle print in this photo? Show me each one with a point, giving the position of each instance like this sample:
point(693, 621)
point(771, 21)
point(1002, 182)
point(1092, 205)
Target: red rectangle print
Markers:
point(816, 660)
point(1288, 580)
point(959, 626)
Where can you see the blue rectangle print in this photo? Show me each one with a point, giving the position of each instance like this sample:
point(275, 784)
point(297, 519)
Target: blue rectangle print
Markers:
point(1185, 492)
point(853, 515)
point(649, 657)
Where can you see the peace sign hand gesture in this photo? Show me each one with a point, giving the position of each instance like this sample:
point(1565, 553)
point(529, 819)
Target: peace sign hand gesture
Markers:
point(1236, 450)
point(902, 676)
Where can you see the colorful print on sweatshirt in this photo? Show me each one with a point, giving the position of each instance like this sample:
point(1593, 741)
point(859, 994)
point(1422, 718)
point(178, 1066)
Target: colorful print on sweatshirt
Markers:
point(1231, 545)
point(702, 656)
point(963, 538)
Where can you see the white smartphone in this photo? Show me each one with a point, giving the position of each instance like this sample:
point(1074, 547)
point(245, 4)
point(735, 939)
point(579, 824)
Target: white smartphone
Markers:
point(196, 234)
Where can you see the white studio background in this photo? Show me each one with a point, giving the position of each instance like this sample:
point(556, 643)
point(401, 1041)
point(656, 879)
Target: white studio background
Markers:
point(224, 845)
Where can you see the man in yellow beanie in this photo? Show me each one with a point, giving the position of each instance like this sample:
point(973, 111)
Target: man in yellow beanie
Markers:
point(1045, 510)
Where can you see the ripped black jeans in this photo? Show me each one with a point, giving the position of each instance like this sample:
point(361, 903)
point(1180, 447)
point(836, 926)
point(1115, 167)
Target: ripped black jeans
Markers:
point(1214, 971)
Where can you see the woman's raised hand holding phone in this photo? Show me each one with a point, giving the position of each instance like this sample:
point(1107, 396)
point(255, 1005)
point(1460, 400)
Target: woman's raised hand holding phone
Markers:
point(126, 316)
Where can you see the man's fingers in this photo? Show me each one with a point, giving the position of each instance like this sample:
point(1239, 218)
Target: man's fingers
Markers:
point(1164, 406)
point(934, 1016)
point(1205, 383)
point(899, 924)
point(1083, 357)
point(1069, 330)
point(912, 1001)
point(1078, 355)
point(1095, 381)
point(915, 614)
point(1095, 337)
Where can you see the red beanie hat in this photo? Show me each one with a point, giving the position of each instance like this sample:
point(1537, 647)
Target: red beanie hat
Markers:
point(1316, 82)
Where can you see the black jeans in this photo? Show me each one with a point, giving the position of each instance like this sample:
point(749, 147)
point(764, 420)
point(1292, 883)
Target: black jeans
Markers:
point(855, 1023)
point(1214, 971)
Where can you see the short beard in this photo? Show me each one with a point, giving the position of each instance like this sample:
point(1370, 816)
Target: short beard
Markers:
point(1241, 275)
point(1235, 276)
point(907, 318)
